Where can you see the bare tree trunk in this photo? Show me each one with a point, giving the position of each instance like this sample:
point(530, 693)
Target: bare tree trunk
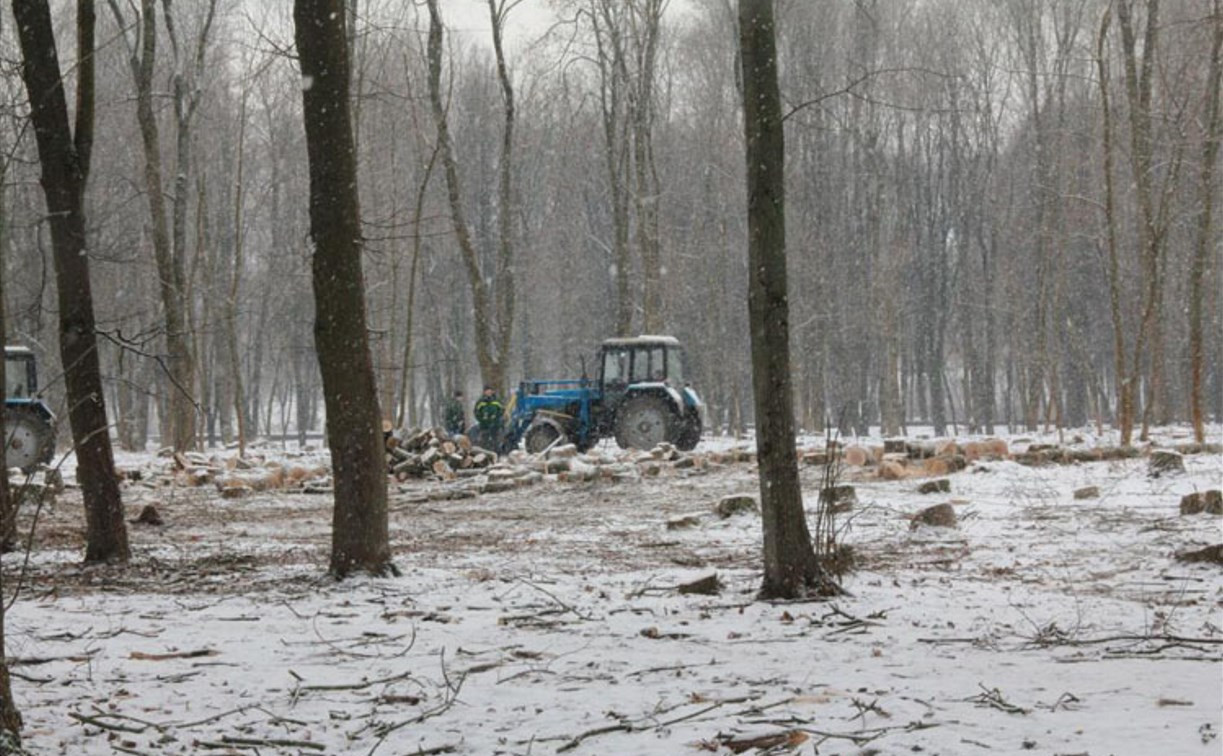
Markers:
point(1125, 389)
point(168, 253)
point(1138, 96)
point(504, 289)
point(790, 566)
point(359, 539)
point(613, 85)
point(64, 156)
point(1201, 252)
point(648, 21)
point(10, 717)
point(492, 337)
point(235, 280)
point(405, 380)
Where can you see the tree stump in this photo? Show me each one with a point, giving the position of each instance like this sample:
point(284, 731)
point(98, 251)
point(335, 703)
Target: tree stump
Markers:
point(1212, 554)
point(730, 506)
point(839, 498)
point(1165, 462)
point(942, 485)
point(937, 516)
point(1203, 502)
point(149, 516)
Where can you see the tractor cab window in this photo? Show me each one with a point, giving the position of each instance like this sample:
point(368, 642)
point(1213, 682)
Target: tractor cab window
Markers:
point(17, 378)
point(649, 365)
point(615, 367)
point(675, 367)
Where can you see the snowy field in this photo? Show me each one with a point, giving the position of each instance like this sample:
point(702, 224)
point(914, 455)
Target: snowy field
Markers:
point(545, 620)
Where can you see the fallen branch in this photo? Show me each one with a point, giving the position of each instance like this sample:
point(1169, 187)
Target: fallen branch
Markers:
point(992, 698)
point(196, 654)
point(230, 742)
point(650, 723)
point(360, 685)
point(97, 722)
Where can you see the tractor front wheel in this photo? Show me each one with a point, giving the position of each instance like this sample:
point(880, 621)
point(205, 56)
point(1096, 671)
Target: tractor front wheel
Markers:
point(643, 423)
point(540, 436)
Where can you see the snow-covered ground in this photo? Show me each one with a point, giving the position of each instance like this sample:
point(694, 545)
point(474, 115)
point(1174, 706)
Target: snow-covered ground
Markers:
point(545, 619)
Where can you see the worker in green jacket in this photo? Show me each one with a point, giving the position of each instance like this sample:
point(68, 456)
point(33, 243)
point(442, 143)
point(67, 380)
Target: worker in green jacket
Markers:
point(454, 417)
point(489, 412)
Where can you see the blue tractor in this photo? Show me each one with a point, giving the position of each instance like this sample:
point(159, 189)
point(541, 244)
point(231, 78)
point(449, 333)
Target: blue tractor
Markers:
point(640, 398)
point(29, 424)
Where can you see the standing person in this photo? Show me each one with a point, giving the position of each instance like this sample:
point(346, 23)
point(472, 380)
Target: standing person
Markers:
point(489, 412)
point(454, 417)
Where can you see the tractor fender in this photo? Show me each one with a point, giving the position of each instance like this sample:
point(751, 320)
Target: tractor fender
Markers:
point(35, 406)
point(660, 389)
point(542, 419)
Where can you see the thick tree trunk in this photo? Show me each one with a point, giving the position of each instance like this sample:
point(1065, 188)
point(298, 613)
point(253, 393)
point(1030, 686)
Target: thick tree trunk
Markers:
point(65, 165)
point(359, 538)
point(790, 566)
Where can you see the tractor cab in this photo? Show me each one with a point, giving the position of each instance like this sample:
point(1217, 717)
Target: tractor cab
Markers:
point(29, 425)
point(645, 359)
point(645, 399)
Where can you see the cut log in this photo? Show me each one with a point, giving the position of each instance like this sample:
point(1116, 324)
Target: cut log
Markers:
point(857, 456)
point(443, 470)
point(891, 470)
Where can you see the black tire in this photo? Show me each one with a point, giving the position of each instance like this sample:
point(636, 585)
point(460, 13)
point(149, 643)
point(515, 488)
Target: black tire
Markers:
point(540, 436)
point(29, 440)
point(689, 434)
point(644, 422)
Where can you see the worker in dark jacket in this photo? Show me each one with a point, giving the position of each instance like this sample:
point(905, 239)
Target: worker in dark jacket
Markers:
point(489, 412)
point(454, 417)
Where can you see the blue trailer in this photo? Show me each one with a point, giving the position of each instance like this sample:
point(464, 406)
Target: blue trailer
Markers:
point(640, 397)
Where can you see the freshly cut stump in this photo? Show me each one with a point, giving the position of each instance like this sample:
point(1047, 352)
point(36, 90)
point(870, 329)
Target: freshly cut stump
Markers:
point(937, 516)
point(1164, 462)
point(1203, 502)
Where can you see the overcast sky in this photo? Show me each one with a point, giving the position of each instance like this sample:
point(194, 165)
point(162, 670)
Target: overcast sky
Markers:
point(526, 23)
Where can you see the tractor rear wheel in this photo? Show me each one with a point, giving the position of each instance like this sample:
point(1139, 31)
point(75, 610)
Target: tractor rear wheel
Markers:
point(643, 423)
point(540, 436)
point(29, 440)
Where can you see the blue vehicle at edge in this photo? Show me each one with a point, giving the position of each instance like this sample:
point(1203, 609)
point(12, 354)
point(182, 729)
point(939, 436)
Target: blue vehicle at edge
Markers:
point(640, 398)
point(29, 424)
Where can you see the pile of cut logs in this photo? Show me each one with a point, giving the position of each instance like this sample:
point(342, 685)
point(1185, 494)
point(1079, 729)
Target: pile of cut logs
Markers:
point(234, 477)
point(433, 453)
